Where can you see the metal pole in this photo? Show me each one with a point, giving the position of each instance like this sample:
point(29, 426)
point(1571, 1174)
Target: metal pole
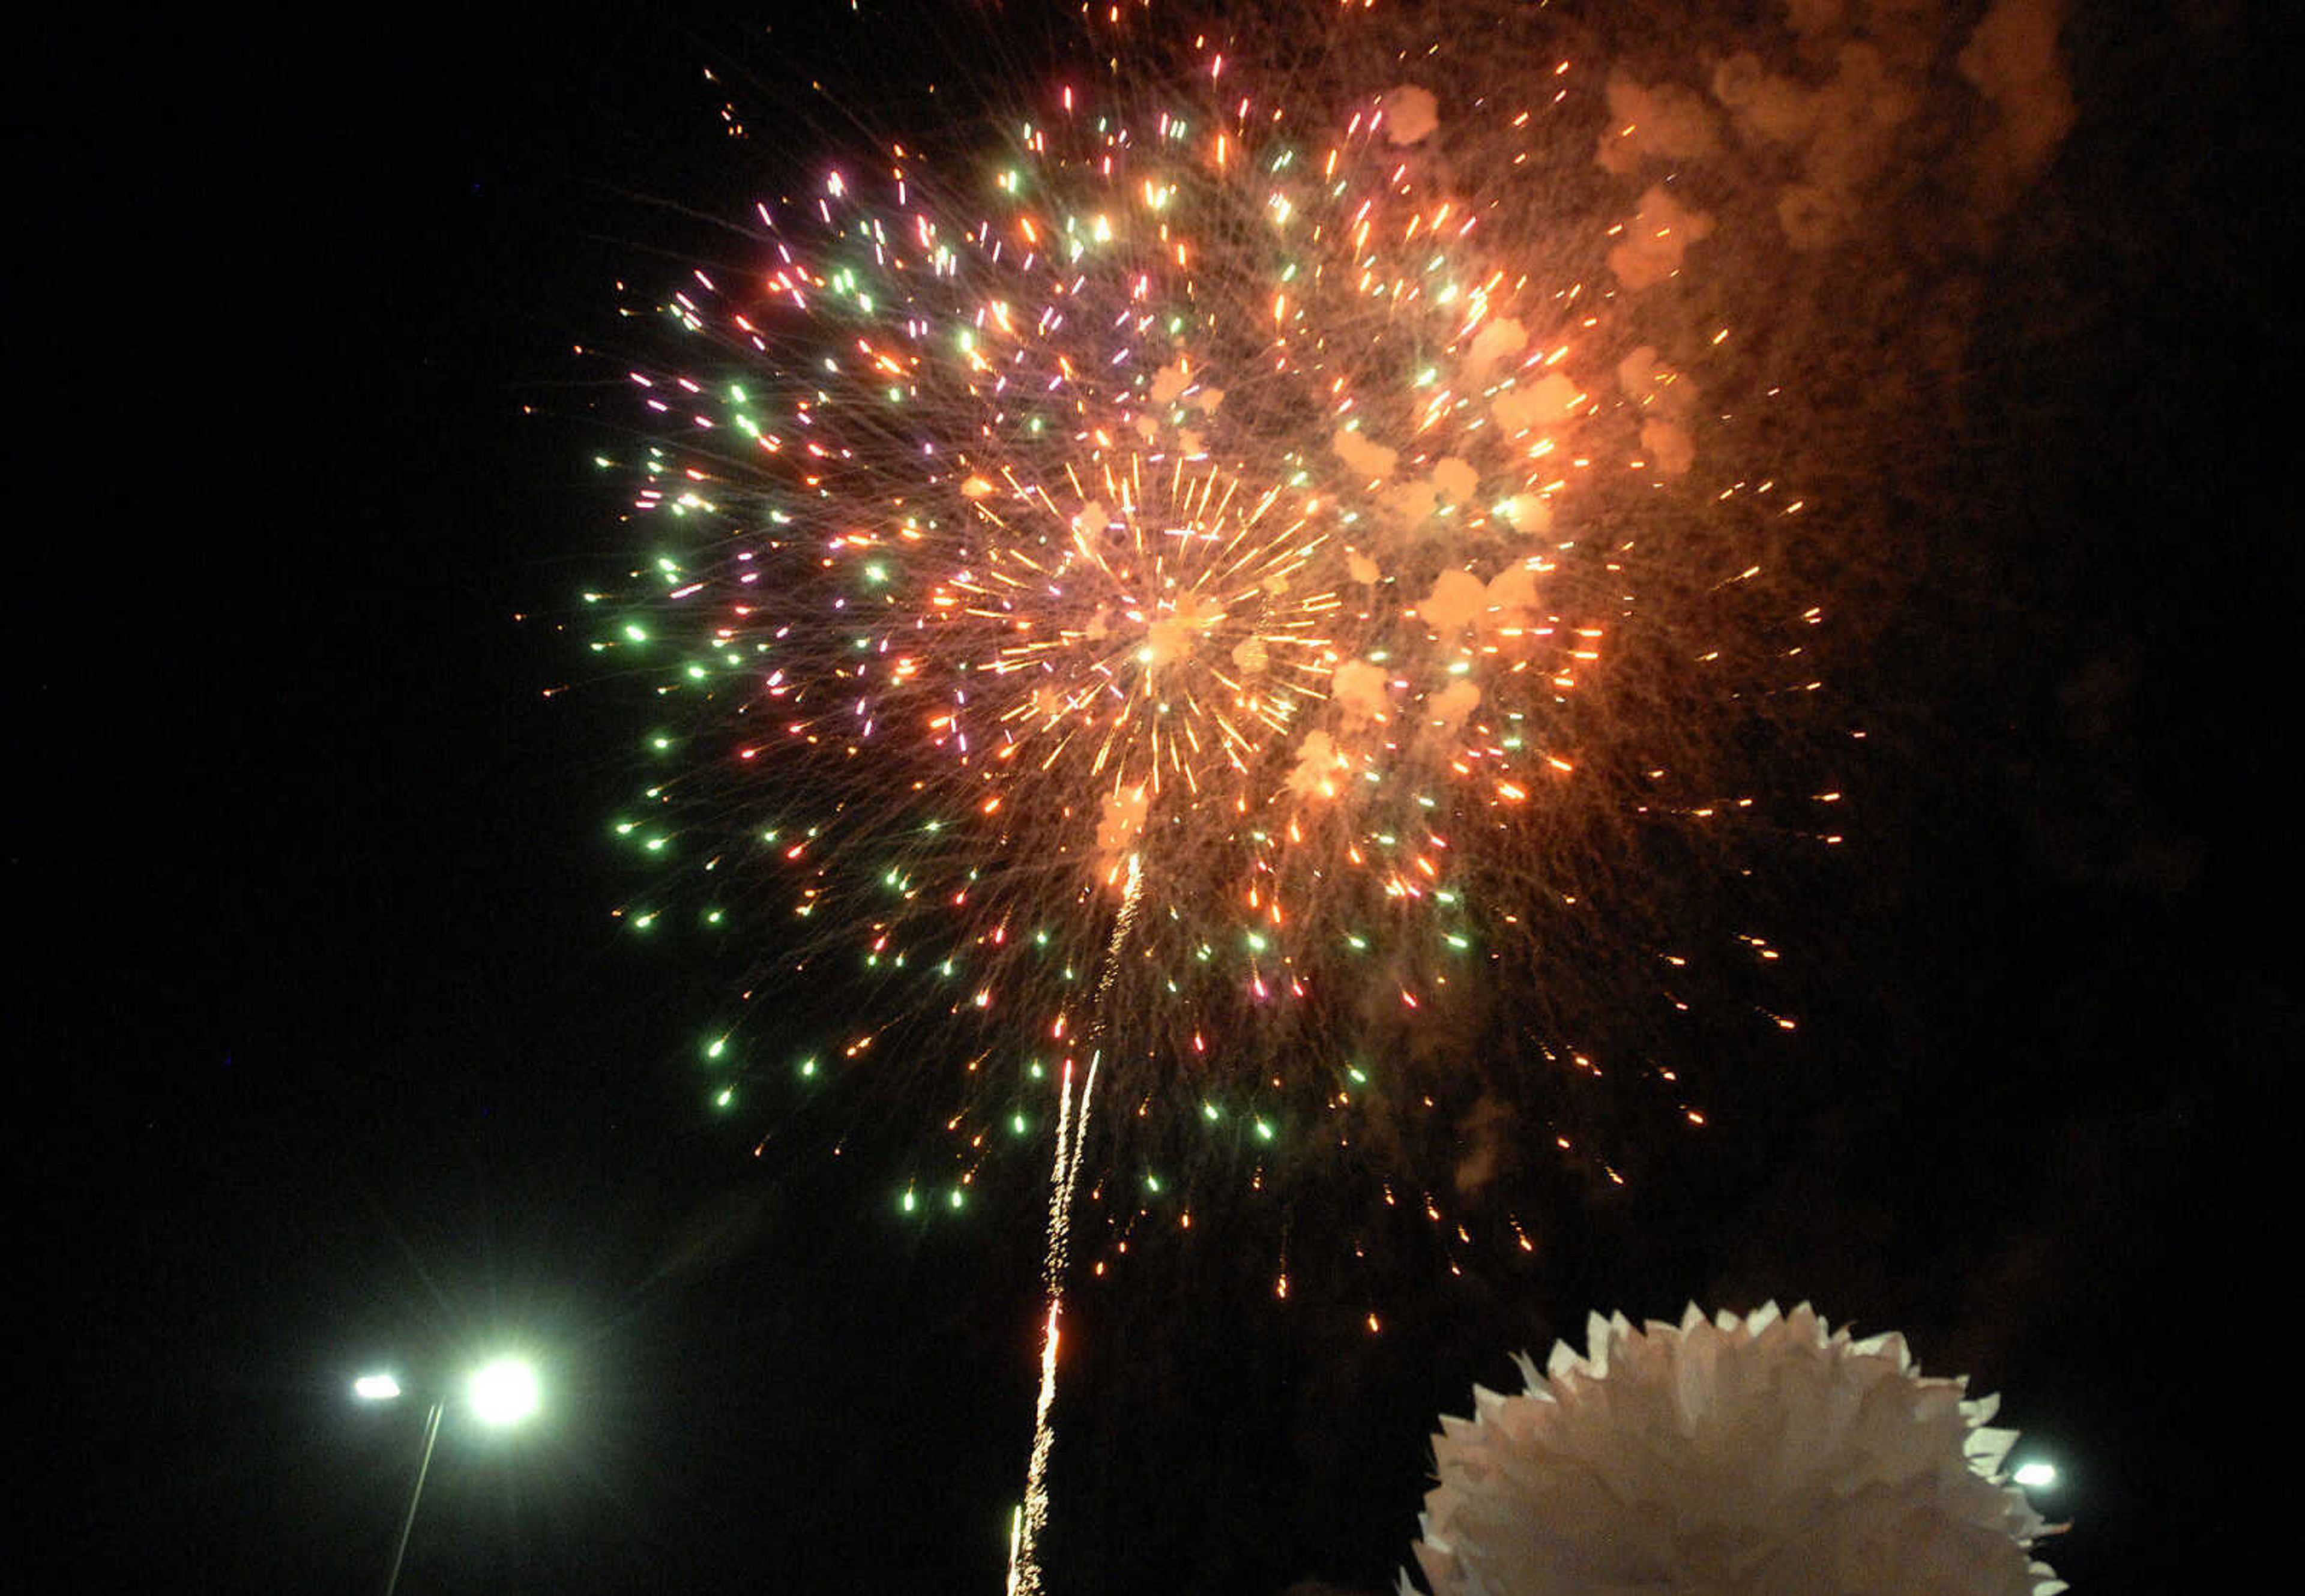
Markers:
point(431, 1429)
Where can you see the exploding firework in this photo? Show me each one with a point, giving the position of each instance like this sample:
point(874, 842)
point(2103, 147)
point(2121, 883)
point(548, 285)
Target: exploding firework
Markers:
point(1270, 476)
point(1745, 1453)
point(1239, 622)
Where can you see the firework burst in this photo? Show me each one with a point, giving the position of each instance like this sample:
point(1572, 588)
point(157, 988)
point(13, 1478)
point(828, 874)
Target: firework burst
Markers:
point(1248, 474)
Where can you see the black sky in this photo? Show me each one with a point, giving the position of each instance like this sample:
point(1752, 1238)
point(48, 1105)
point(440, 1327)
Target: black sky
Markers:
point(328, 1051)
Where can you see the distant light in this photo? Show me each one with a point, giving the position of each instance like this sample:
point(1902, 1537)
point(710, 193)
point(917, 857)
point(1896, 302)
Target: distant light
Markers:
point(2036, 1474)
point(503, 1392)
point(375, 1387)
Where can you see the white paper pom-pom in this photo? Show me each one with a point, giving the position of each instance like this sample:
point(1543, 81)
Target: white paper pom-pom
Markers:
point(1765, 1456)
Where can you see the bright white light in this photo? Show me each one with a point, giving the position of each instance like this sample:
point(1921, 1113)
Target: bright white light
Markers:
point(503, 1392)
point(2036, 1474)
point(375, 1387)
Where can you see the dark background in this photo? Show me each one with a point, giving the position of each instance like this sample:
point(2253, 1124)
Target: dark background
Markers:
point(326, 1051)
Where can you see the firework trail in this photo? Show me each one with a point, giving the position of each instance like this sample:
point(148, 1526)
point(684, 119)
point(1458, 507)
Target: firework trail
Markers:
point(1064, 1178)
point(1032, 1513)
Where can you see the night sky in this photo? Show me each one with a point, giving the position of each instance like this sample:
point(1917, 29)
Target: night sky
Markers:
point(329, 1054)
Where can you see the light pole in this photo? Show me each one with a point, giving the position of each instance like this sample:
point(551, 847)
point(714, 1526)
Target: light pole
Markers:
point(502, 1393)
